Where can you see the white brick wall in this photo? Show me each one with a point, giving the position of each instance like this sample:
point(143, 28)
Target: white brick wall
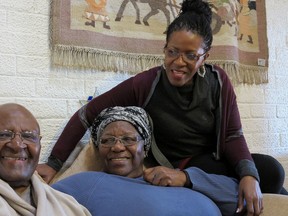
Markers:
point(53, 94)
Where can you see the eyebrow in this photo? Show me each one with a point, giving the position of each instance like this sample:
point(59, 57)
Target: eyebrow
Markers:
point(194, 51)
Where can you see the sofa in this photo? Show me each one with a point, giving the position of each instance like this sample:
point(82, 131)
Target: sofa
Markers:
point(85, 158)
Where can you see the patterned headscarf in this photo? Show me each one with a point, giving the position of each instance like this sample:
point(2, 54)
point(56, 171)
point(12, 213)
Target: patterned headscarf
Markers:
point(132, 114)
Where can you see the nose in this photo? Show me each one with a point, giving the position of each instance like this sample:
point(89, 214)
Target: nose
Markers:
point(180, 60)
point(118, 146)
point(16, 142)
point(17, 134)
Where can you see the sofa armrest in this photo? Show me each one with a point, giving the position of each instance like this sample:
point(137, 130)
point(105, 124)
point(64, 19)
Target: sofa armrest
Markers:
point(275, 205)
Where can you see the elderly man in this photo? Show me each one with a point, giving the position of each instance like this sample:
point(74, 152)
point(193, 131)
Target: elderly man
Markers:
point(23, 192)
point(123, 138)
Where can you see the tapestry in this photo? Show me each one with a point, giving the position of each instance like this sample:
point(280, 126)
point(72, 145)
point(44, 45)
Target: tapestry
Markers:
point(129, 35)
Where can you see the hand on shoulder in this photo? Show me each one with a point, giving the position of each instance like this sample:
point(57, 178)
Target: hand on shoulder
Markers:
point(46, 172)
point(164, 176)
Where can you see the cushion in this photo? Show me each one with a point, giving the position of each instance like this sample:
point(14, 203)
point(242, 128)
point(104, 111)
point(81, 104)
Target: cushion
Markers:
point(86, 160)
point(275, 205)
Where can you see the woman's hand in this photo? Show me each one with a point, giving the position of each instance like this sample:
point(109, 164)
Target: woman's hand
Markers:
point(163, 176)
point(249, 190)
point(46, 172)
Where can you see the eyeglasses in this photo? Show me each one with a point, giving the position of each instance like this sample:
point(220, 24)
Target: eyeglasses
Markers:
point(125, 140)
point(188, 57)
point(28, 136)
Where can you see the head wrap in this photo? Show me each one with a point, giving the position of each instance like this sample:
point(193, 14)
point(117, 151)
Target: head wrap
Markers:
point(132, 114)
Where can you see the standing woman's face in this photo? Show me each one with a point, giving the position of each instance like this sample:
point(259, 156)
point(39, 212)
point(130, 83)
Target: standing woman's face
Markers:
point(183, 56)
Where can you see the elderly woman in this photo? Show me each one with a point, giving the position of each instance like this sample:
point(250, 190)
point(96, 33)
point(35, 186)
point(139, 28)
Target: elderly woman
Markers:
point(122, 136)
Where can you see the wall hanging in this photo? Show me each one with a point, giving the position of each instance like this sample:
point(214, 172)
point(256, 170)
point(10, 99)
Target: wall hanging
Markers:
point(129, 35)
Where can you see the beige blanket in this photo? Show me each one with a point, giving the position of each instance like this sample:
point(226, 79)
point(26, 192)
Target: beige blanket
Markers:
point(49, 202)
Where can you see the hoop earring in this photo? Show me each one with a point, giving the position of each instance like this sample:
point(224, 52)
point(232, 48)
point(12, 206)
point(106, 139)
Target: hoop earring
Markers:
point(201, 71)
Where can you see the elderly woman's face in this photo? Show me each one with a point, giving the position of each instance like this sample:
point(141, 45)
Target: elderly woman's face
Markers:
point(120, 159)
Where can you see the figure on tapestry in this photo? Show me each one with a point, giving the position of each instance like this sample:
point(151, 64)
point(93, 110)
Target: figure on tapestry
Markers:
point(224, 12)
point(155, 7)
point(248, 20)
point(96, 11)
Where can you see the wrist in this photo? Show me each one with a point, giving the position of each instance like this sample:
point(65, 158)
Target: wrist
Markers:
point(54, 163)
point(188, 182)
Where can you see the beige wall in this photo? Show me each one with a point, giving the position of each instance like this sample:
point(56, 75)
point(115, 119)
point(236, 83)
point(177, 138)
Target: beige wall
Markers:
point(53, 95)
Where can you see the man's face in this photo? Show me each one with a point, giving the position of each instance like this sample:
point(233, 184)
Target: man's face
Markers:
point(120, 159)
point(18, 156)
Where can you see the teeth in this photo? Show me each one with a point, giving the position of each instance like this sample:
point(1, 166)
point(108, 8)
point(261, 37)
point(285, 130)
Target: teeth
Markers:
point(118, 159)
point(13, 158)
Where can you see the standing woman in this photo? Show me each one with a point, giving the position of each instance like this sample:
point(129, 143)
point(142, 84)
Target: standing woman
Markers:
point(194, 110)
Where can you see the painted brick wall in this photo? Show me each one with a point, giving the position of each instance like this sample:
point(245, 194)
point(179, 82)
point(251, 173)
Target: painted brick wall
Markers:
point(53, 95)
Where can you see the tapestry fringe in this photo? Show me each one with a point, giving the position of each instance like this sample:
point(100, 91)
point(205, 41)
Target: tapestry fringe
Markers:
point(243, 74)
point(103, 60)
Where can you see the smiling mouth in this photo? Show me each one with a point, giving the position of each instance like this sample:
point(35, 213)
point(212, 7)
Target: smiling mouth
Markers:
point(178, 71)
point(178, 74)
point(14, 158)
point(119, 159)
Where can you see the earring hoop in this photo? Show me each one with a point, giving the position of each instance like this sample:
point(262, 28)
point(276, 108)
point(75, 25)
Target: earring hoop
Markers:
point(201, 71)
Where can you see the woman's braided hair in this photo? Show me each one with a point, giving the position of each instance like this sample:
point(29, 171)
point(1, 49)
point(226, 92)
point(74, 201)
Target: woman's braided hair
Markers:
point(195, 16)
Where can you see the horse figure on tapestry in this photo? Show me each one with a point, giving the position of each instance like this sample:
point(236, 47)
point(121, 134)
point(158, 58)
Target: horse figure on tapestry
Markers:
point(224, 11)
point(156, 6)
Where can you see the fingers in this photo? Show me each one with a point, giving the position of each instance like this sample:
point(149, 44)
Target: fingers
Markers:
point(262, 206)
point(250, 208)
point(160, 180)
point(240, 203)
point(48, 178)
point(156, 176)
point(254, 207)
point(164, 176)
point(46, 172)
point(249, 190)
point(258, 207)
point(148, 174)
